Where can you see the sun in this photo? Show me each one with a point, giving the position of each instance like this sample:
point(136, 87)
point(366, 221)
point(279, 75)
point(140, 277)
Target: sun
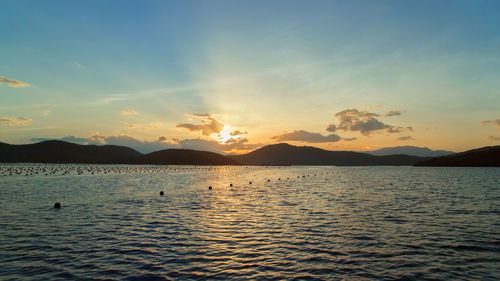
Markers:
point(224, 135)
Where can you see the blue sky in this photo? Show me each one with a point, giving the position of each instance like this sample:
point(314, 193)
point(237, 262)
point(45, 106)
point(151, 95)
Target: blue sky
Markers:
point(269, 69)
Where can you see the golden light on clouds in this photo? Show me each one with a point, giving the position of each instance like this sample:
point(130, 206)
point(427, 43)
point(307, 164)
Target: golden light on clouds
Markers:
point(15, 122)
point(13, 83)
point(129, 112)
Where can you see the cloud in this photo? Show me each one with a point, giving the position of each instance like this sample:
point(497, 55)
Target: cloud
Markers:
point(201, 114)
point(13, 83)
point(398, 129)
point(208, 127)
point(375, 106)
point(147, 127)
point(365, 122)
point(151, 126)
point(494, 123)
point(238, 133)
point(405, 138)
point(201, 144)
point(46, 112)
point(79, 65)
point(492, 138)
point(214, 146)
point(141, 146)
point(348, 139)
point(392, 113)
point(304, 136)
point(15, 122)
point(128, 112)
point(331, 128)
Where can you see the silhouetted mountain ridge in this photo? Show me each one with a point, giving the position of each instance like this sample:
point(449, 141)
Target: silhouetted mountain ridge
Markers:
point(278, 154)
point(55, 151)
point(285, 154)
point(186, 157)
point(488, 156)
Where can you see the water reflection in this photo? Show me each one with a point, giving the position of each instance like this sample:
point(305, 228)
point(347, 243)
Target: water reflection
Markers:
point(343, 222)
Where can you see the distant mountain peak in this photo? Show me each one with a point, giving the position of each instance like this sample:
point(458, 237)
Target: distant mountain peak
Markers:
point(409, 150)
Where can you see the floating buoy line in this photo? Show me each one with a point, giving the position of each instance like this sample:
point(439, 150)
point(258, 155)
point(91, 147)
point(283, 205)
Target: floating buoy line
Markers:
point(47, 170)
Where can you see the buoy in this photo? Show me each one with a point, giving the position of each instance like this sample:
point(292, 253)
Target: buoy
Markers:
point(57, 205)
point(161, 193)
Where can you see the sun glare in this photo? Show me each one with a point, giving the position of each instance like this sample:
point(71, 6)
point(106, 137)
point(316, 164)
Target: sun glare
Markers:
point(224, 135)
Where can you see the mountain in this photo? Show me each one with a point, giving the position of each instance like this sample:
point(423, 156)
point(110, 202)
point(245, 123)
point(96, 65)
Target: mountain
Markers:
point(186, 157)
point(279, 154)
point(409, 150)
point(65, 152)
point(488, 156)
point(285, 154)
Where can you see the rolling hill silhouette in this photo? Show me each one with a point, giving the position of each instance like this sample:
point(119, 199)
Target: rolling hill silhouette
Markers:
point(55, 151)
point(285, 154)
point(488, 156)
point(64, 152)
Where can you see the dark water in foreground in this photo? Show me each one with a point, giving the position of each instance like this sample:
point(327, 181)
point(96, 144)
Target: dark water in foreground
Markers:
point(352, 223)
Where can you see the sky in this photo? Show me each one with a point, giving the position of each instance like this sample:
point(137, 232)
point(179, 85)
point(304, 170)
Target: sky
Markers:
point(232, 76)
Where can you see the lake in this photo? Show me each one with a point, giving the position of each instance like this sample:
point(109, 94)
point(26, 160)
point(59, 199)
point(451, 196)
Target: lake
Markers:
point(292, 223)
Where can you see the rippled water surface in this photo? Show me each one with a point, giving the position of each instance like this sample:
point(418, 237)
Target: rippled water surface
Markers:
point(305, 223)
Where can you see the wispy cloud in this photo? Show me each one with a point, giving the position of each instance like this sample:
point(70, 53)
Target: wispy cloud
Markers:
point(79, 65)
point(129, 112)
point(146, 127)
point(305, 136)
point(492, 138)
point(208, 127)
point(13, 83)
point(494, 123)
point(15, 121)
point(238, 133)
point(405, 138)
point(231, 145)
point(392, 113)
point(113, 98)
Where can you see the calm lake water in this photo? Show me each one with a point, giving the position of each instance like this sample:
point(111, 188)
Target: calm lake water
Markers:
point(321, 223)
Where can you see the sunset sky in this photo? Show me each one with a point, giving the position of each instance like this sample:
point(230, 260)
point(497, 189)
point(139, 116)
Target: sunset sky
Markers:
point(231, 76)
